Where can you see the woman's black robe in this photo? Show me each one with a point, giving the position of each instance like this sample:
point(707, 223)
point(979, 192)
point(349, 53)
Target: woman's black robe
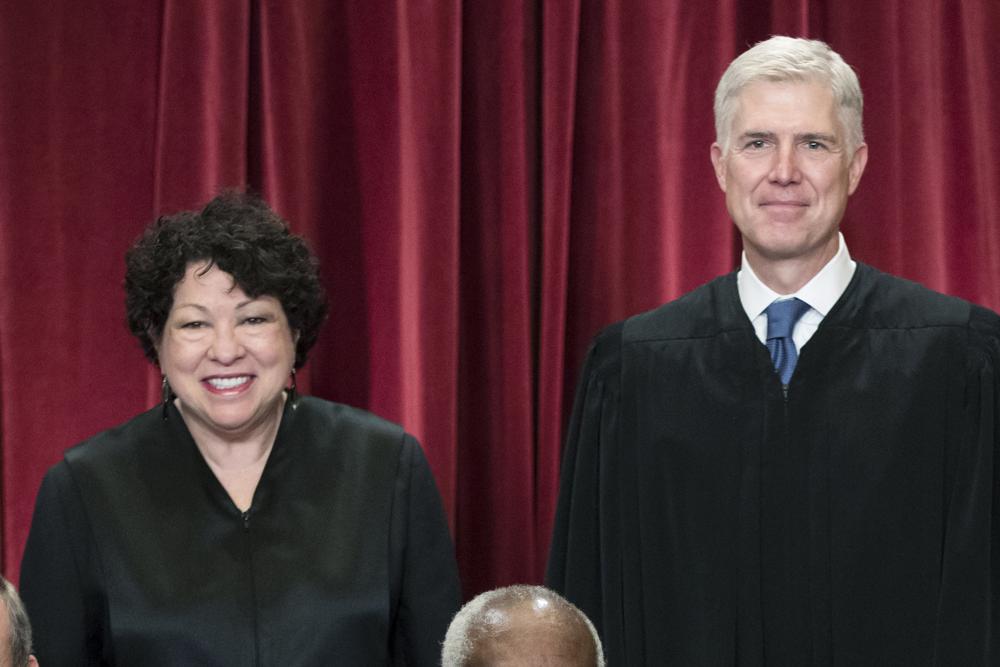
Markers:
point(137, 556)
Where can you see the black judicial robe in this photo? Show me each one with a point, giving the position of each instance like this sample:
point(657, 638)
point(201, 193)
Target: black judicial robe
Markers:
point(137, 556)
point(706, 518)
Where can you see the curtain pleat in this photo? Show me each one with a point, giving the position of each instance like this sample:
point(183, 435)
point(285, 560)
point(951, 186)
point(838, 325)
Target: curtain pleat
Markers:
point(499, 204)
point(559, 50)
point(202, 102)
point(77, 149)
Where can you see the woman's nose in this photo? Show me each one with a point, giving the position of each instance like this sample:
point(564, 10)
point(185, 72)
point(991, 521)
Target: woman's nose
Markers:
point(226, 347)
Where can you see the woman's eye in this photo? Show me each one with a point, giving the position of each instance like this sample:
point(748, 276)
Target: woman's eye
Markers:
point(255, 320)
point(193, 325)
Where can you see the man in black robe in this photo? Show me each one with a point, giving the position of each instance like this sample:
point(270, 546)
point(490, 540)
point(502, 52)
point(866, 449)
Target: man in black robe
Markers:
point(735, 493)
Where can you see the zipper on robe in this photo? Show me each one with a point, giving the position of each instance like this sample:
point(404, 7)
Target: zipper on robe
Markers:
point(245, 518)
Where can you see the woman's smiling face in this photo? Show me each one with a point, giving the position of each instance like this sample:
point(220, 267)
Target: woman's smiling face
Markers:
point(227, 356)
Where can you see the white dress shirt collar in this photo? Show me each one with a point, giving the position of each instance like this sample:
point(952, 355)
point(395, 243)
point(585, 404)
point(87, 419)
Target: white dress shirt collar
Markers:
point(820, 293)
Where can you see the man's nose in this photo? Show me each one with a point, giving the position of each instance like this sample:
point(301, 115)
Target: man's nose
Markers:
point(785, 168)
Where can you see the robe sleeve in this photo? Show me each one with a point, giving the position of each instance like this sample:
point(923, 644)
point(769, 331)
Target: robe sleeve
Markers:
point(429, 592)
point(57, 576)
point(968, 623)
point(585, 558)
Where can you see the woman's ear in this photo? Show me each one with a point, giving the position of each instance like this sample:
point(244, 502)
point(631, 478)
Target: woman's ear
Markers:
point(156, 341)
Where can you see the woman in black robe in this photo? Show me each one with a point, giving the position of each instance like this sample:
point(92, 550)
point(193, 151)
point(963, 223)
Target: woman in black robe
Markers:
point(237, 523)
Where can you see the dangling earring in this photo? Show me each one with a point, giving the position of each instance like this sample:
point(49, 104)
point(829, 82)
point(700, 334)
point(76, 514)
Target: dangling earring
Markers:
point(168, 395)
point(292, 395)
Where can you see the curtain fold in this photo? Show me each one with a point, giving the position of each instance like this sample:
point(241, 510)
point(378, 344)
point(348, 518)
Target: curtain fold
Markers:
point(558, 54)
point(499, 202)
point(202, 101)
point(77, 128)
point(486, 185)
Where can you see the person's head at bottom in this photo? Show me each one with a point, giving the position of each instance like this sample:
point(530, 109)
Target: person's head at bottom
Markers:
point(15, 631)
point(521, 625)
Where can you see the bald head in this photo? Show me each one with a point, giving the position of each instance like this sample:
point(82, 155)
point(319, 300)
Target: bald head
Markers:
point(521, 625)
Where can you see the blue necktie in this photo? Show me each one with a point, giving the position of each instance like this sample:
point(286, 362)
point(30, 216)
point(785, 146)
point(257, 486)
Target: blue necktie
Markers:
point(781, 319)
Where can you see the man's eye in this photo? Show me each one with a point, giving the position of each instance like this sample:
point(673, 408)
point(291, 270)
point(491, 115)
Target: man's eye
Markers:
point(756, 144)
point(815, 145)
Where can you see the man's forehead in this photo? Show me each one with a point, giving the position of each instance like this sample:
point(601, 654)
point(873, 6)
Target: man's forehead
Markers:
point(767, 106)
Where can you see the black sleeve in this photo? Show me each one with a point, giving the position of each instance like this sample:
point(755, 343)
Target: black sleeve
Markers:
point(58, 577)
point(968, 625)
point(429, 591)
point(585, 555)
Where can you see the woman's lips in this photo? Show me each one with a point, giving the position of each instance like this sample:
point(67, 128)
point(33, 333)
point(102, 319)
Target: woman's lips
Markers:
point(233, 384)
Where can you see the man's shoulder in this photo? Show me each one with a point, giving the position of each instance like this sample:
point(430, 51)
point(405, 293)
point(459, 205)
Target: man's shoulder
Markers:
point(883, 301)
point(701, 313)
point(888, 301)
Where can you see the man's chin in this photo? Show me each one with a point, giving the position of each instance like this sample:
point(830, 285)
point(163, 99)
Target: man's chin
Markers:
point(787, 250)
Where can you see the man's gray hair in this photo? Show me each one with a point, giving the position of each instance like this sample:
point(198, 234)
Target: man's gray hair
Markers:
point(20, 628)
point(784, 59)
point(483, 618)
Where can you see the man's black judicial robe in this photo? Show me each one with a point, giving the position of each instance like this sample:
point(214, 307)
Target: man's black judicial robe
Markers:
point(137, 556)
point(707, 518)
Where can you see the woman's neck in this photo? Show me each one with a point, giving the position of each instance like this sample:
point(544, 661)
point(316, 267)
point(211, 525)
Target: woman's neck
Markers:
point(237, 458)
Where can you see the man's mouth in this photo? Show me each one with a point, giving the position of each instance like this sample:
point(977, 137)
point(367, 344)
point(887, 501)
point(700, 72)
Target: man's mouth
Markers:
point(789, 203)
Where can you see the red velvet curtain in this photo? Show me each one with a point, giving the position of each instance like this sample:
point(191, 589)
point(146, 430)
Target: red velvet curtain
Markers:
point(486, 184)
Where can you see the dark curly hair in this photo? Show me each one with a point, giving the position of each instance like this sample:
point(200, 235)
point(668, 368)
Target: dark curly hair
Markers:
point(242, 236)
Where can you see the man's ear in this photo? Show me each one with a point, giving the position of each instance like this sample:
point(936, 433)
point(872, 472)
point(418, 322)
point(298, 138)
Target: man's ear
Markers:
point(856, 168)
point(719, 164)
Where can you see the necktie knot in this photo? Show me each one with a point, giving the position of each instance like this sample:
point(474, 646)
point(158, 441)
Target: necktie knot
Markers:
point(782, 316)
point(781, 319)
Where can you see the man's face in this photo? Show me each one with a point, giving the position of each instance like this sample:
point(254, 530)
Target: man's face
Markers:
point(788, 172)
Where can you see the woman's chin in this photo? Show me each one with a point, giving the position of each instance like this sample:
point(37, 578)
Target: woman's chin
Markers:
point(232, 420)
